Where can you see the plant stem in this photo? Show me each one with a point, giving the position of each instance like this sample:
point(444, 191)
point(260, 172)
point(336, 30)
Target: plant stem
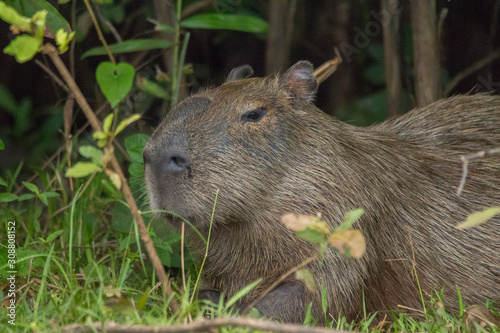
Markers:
point(51, 51)
point(208, 243)
point(175, 60)
point(277, 282)
point(181, 66)
point(99, 32)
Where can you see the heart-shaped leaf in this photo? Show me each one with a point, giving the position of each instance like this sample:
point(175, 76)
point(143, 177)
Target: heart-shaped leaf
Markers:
point(115, 80)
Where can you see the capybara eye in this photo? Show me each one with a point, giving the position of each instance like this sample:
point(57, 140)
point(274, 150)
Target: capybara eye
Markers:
point(254, 115)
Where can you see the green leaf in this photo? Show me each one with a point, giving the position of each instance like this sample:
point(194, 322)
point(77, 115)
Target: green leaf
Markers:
point(2, 145)
point(82, 169)
point(227, 22)
point(164, 27)
point(242, 293)
point(324, 299)
point(127, 121)
point(91, 152)
point(3, 182)
point(43, 198)
point(51, 194)
point(24, 47)
point(307, 278)
point(312, 235)
point(115, 80)
point(129, 46)
point(32, 187)
point(136, 170)
point(8, 197)
point(142, 301)
point(54, 21)
point(350, 217)
point(478, 218)
point(152, 88)
point(115, 179)
point(121, 218)
point(63, 39)
point(11, 16)
point(53, 235)
point(134, 144)
point(99, 135)
point(108, 121)
point(26, 196)
point(31, 260)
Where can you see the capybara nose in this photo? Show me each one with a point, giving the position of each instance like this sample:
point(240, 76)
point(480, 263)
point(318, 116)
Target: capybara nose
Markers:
point(176, 162)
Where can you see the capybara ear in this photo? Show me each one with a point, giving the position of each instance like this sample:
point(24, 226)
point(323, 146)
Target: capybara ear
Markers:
point(299, 81)
point(239, 73)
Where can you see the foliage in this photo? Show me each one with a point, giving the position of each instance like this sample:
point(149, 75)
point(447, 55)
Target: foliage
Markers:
point(349, 242)
point(79, 257)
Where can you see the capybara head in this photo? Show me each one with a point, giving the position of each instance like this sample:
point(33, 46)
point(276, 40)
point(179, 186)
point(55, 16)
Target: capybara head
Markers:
point(237, 139)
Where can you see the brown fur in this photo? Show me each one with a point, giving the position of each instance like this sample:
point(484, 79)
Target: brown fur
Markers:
point(404, 173)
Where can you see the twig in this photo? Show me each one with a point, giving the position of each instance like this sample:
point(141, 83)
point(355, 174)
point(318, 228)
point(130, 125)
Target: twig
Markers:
point(51, 51)
point(412, 309)
point(108, 24)
point(201, 325)
point(470, 70)
point(52, 75)
point(277, 282)
point(58, 152)
point(324, 71)
point(414, 269)
point(465, 164)
point(62, 209)
point(182, 256)
point(99, 32)
point(68, 117)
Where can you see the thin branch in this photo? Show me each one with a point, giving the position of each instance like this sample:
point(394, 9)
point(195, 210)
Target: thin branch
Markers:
point(470, 70)
point(200, 325)
point(99, 32)
point(68, 117)
point(51, 51)
point(53, 76)
point(324, 71)
point(465, 164)
point(277, 282)
point(108, 24)
point(183, 269)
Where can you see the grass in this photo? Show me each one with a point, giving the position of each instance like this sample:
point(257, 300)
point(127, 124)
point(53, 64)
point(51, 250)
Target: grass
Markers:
point(79, 260)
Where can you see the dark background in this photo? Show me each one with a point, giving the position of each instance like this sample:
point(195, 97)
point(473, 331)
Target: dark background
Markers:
point(355, 92)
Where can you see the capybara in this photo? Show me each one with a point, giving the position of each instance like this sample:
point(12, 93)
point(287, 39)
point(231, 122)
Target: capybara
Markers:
point(269, 151)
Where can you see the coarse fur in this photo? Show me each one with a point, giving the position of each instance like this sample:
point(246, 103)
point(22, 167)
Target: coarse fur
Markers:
point(296, 159)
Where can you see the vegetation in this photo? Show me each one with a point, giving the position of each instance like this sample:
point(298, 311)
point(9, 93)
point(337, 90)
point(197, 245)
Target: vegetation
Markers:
point(69, 219)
